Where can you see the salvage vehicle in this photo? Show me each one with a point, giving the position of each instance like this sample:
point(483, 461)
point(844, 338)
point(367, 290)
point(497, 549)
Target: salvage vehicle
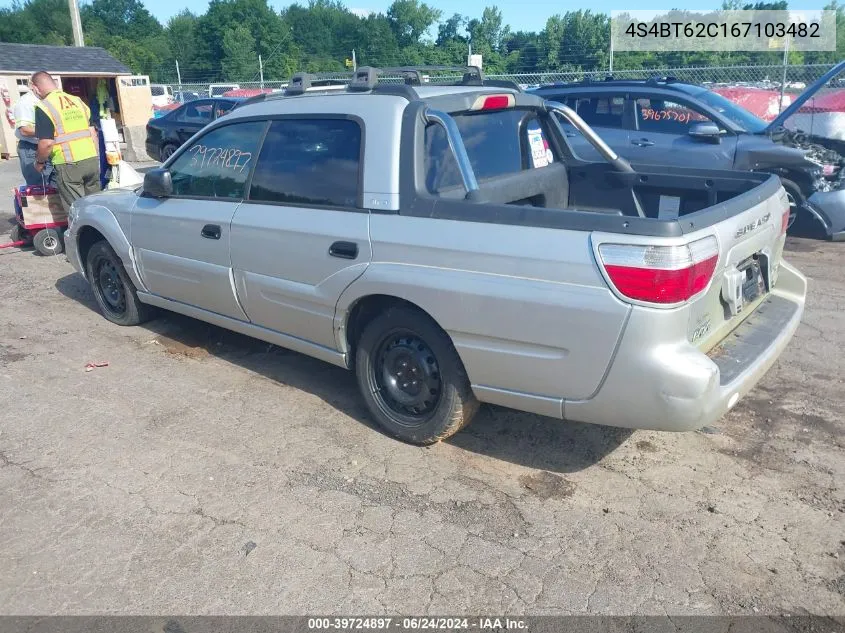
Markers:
point(445, 243)
point(663, 121)
point(167, 133)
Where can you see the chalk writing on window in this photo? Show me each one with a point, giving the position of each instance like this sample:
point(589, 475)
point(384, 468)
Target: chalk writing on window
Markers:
point(220, 158)
point(650, 114)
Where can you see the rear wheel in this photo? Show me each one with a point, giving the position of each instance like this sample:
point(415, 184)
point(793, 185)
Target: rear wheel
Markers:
point(20, 234)
point(49, 242)
point(114, 291)
point(412, 378)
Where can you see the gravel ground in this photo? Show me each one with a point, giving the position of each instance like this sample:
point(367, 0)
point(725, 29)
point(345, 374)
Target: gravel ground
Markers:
point(203, 472)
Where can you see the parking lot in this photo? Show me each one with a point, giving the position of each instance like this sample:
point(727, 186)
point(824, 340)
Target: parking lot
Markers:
point(203, 472)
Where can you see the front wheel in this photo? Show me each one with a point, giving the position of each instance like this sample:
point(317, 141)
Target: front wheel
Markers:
point(412, 378)
point(114, 291)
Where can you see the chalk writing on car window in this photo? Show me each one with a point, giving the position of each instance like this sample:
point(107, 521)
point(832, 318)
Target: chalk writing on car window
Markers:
point(666, 115)
point(203, 157)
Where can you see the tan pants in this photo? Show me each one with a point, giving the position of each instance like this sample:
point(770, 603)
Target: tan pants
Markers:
point(76, 180)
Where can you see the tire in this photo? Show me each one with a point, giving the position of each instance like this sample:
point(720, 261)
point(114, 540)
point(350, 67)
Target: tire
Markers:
point(20, 234)
point(113, 290)
point(49, 242)
point(167, 150)
point(436, 401)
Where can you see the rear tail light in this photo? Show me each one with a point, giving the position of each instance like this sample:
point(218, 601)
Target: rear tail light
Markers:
point(660, 274)
point(784, 222)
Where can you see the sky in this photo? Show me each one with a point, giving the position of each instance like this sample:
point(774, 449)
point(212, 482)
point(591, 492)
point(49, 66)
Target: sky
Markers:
point(521, 15)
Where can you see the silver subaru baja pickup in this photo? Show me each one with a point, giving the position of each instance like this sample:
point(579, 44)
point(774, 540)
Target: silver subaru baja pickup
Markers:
point(443, 242)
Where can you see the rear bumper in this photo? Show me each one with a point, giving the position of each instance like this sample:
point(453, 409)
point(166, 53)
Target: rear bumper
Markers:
point(678, 387)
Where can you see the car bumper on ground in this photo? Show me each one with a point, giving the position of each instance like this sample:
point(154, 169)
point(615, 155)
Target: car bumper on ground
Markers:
point(676, 387)
point(829, 207)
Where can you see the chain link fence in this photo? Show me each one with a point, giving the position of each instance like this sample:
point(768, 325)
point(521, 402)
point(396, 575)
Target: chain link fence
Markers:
point(793, 78)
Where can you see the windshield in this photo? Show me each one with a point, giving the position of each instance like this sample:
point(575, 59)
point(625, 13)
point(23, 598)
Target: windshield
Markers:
point(731, 111)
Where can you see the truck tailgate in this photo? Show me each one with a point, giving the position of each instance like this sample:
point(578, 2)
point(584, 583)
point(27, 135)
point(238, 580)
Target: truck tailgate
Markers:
point(750, 250)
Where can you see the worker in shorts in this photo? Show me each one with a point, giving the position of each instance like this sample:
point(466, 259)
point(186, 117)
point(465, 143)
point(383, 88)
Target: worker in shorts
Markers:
point(67, 139)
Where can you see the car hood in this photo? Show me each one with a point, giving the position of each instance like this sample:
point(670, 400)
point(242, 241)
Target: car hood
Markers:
point(805, 96)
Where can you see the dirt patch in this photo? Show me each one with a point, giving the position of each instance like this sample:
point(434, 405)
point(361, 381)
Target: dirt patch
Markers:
point(8, 354)
point(178, 348)
point(546, 485)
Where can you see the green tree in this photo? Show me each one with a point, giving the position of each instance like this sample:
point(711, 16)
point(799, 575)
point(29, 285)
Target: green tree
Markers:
point(36, 22)
point(410, 19)
point(240, 61)
point(121, 18)
point(450, 30)
point(271, 34)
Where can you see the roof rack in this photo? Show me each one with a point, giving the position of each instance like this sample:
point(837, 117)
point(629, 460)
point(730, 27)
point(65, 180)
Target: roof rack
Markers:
point(651, 81)
point(367, 77)
point(299, 83)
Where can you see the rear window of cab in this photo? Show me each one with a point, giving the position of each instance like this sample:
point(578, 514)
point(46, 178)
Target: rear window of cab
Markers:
point(497, 143)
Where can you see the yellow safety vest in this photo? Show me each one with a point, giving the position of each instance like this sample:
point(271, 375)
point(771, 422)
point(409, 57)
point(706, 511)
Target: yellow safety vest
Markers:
point(73, 140)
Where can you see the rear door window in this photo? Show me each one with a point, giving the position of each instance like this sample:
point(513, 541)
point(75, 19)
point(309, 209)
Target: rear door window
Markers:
point(497, 143)
point(224, 107)
point(199, 113)
point(309, 162)
point(217, 164)
point(600, 110)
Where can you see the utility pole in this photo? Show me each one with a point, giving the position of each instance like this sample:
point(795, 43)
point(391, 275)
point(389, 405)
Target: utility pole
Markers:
point(354, 62)
point(76, 23)
point(783, 78)
point(610, 67)
point(261, 70)
point(178, 76)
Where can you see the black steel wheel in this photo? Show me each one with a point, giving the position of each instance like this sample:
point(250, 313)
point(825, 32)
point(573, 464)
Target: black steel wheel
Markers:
point(113, 290)
point(412, 378)
point(109, 285)
point(406, 377)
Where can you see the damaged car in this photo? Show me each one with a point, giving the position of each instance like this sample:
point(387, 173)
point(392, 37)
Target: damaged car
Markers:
point(664, 121)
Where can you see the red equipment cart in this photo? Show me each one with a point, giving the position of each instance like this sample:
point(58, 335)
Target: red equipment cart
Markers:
point(41, 221)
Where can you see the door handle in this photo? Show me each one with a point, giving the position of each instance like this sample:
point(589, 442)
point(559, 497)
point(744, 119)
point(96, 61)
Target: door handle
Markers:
point(572, 134)
point(211, 232)
point(344, 250)
point(643, 142)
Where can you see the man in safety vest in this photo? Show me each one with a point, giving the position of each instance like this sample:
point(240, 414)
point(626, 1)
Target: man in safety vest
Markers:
point(67, 139)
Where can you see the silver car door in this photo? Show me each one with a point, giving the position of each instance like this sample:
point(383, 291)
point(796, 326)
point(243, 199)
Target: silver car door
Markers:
point(302, 237)
point(182, 243)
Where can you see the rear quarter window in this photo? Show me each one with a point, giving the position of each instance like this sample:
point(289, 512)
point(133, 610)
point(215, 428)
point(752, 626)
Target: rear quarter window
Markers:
point(497, 143)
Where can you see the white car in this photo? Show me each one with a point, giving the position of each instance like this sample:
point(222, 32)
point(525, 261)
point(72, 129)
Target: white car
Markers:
point(162, 95)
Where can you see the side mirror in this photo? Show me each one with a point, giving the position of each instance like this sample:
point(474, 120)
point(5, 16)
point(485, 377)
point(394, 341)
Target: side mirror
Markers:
point(705, 132)
point(158, 183)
